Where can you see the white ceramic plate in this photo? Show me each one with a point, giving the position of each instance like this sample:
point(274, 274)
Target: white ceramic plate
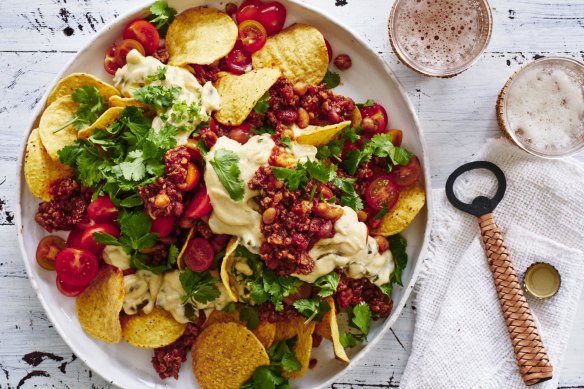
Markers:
point(130, 367)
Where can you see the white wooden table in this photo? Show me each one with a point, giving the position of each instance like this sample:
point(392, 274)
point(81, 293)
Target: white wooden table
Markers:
point(457, 115)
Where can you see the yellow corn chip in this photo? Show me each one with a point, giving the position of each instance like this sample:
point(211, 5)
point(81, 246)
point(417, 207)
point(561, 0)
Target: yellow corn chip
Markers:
point(99, 305)
point(200, 36)
point(76, 80)
point(405, 210)
point(102, 122)
point(226, 264)
point(265, 331)
point(118, 101)
point(303, 347)
point(179, 260)
point(39, 169)
point(298, 51)
point(340, 353)
point(225, 356)
point(320, 136)
point(155, 329)
point(239, 94)
point(54, 118)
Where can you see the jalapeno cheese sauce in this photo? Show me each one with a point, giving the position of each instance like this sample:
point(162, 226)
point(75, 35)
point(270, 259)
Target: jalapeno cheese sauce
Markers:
point(116, 256)
point(193, 104)
point(141, 290)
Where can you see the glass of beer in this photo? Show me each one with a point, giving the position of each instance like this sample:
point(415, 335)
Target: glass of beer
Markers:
point(440, 38)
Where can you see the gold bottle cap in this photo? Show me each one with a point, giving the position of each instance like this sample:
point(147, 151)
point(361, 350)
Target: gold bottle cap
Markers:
point(542, 280)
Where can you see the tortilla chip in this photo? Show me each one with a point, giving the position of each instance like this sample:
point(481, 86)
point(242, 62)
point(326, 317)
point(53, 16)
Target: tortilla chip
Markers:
point(118, 101)
point(340, 353)
point(303, 347)
point(155, 329)
point(265, 331)
point(228, 281)
point(99, 305)
point(225, 355)
point(102, 122)
point(56, 116)
point(298, 51)
point(179, 260)
point(76, 80)
point(320, 136)
point(405, 210)
point(239, 94)
point(39, 169)
point(200, 36)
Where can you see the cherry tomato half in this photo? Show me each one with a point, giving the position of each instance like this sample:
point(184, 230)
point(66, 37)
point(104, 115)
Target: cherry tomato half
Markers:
point(102, 210)
point(76, 267)
point(329, 50)
point(238, 60)
point(253, 35)
point(407, 175)
point(68, 290)
point(273, 17)
point(47, 251)
point(192, 179)
point(192, 146)
point(248, 10)
point(109, 63)
point(163, 225)
point(374, 119)
point(240, 133)
point(200, 205)
point(74, 238)
point(198, 255)
point(396, 137)
point(124, 48)
point(85, 223)
point(382, 193)
point(89, 243)
point(144, 32)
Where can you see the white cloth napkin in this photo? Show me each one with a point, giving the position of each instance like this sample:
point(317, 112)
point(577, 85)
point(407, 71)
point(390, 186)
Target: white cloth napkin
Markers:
point(460, 338)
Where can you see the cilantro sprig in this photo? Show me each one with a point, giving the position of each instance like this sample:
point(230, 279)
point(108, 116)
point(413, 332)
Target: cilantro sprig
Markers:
point(331, 80)
point(313, 308)
point(282, 359)
point(161, 15)
point(398, 245)
point(160, 74)
point(327, 284)
point(91, 106)
point(225, 164)
point(380, 146)
point(201, 287)
point(263, 104)
point(158, 96)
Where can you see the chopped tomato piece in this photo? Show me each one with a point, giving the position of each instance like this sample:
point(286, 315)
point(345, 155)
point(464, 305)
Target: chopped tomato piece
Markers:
point(74, 238)
point(109, 63)
point(396, 137)
point(238, 60)
point(248, 10)
point(125, 47)
point(374, 119)
point(329, 50)
point(273, 17)
point(163, 225)
point(253, 35)
point(102, 210)
point(89, 243)
point(200, 205)
point(198, 255)
point(240, 133)
point(193, 177)
point(76, 267)
point(144, 32)
point(68, 290)
point(382, 193)
point(407, 175)
point(47, 251)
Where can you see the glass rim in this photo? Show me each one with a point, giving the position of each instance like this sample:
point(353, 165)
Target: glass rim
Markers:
point(428, 71)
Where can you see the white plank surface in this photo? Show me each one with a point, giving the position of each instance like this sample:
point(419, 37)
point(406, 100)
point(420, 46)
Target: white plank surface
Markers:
point(457, 115)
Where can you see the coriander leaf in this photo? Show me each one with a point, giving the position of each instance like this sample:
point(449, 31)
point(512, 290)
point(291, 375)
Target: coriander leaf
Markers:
point(398, 245)
point(349, 196)
point(281, 355)
point(360, 317)
point(351, 134)
point(160, 74)
point(387, 289)
point(333, 150)
point(91, 105)
point(352, 200)
point(294, 178)
point(263, 104)
point(200, 287)
point(157, 96)
point(250, 316)
point(319, 171)
point(266, 377)
point(105, 238)
point(381, 213)
point(161, 15)
point(68, 154)
point(368, 103)
point(331, 79)
point(131, 201)
point(230, 308)
point(225, 163)
point(380, 146)
point(286, 142)
point(352, 161)
point(264, 129)
point(313, 308)
point(172, 255)
point(349, 340)
point(328, 284)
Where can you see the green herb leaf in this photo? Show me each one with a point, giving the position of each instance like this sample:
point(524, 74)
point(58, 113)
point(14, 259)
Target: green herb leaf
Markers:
point(173, 252)
point(157, 96)
point(286, 142)
point(313, 308)
point(161, 15)
point(333, 150)
point(105, 238)
point(351, 134)
point(225, 163)
point(331, 79)
point(201, 287)
point(263, 104)
point(328, 284)
point(267, 377)
point(398, 245)
point(281, 355)
point(381, 213)
point(230, 308)
point(368, 103)
point(360, 317)
point(249, 314)
point(380, 146)
point(264, 129)
point(131, 201)
point(160, 74)
point(91, 106)
point(348, 339)
point(387, 289)
point(294, 178)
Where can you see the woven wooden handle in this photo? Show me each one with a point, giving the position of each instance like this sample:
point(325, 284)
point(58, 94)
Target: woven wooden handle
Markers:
point(532, 358)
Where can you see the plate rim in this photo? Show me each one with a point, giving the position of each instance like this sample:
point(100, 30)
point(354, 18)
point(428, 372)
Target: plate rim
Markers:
point(407, 289)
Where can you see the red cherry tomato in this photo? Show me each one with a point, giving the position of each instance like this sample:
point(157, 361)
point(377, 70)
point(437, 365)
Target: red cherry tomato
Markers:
point(378, 117)
point(163, 225)
point(396, 137)
point(198, 255)
point(248, 10)
point(68, 290)
point(407, 175)
point(102, 210)
point(47, 251)
point(144, 32)
point(193, 177)
point(90, 244)
point(329, 50)
point(74, 238)
point(192, 146)
point(85, 223)
point(382, 193)
point(125, 47)
point(219, 242)
point(76, 267)
point(240, 133)
point(238, 60)
point(109, 63)
point(273, 17)
point(253, 35)
point(200, 205)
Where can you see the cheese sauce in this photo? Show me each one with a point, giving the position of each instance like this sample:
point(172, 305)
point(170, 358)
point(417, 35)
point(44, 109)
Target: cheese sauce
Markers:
point(116, 256)
point(141, 291)
point(193, 105)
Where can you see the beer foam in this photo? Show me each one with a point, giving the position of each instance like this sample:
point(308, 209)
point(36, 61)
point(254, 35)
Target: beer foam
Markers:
point(441, 34)
point(545, 107)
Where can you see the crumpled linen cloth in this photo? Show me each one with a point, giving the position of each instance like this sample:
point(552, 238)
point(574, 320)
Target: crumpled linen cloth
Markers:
point(460, 338)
